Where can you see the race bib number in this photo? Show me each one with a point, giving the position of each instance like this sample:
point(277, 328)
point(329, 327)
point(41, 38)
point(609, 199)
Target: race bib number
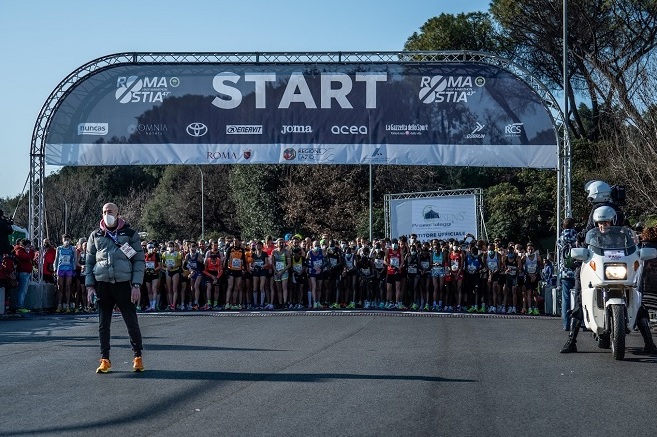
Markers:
point(531, 269)
point(394, 262)
point(259, 263)
point(298, 268)
point(171, 263)
point(378, 263)
point(425, 265)
point(472, 269)
point(236, 263)
point(365, 272)
point(333, 261)
point(317, 264)
point(280, 265)
point(613, 255)
point(412, 270)
point(128, 251)
point(150, 264)
point(455, 266)
point(437, 271)
point(492, 266)
point(65, 259)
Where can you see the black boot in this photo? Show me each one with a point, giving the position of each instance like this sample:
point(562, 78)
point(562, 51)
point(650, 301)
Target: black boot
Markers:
point(571, 345)
point(644, 328)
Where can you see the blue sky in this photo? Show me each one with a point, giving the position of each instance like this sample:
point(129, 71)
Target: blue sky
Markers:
point(42, 41)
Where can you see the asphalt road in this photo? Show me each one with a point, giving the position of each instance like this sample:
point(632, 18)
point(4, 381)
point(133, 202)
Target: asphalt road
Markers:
point(315, 374)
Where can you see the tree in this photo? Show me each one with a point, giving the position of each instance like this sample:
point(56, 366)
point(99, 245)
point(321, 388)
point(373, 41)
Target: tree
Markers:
point(609, 45)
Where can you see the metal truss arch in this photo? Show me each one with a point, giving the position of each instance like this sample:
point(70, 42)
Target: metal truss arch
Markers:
point(52, 103)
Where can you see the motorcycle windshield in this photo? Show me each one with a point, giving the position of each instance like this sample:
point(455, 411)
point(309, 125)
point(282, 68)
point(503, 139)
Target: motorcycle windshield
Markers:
point(611, 238)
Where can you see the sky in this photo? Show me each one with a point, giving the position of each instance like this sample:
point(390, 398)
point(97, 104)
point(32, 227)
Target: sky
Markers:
point(42, 41)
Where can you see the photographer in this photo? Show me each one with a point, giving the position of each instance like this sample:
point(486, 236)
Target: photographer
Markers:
point(5, 231)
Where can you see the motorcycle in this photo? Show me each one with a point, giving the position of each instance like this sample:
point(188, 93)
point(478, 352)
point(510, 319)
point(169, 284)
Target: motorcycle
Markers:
point(610, 276)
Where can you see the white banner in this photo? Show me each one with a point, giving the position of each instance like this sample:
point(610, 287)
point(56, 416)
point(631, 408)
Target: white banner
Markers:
point(434, 217)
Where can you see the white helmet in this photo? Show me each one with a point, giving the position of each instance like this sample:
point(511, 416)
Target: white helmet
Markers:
point(598, 191)
point(604, 214)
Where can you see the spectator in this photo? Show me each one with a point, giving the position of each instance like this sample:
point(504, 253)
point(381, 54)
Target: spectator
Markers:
point(25, 256)
point(49, 254)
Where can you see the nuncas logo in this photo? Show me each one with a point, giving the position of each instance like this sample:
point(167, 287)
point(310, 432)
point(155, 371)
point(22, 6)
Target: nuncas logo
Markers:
point(93, 128)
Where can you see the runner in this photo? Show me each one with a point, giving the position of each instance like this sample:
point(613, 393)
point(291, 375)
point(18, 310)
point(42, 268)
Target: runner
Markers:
point(315, 259)
point(513, 265)
point(213, 272)
point(455, 276)
point(280, 259)
point(532, 264)
point(492, 264)
point(152, 275)
point(334, 274)
point(234, 266)
point(65, 262)
point(394, 262)
point(349, 274)
point(439, 256)
point(299, 275)
point(413, 276)
point(473, 272)
point(425, 275)
point(172, 260)
point(366, 276)
point(194, 263)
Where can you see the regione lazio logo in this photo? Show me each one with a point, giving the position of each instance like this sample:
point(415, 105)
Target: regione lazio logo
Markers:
point(197, 129)
point(248, 154)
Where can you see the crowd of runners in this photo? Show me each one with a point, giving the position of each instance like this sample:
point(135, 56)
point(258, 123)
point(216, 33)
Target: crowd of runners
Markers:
point(295, 273)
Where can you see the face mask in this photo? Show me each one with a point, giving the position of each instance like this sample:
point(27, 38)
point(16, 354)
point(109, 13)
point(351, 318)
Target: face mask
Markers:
point(110, 220)
point(491, 252)
point(395, 246)
point(316, 248)
point(151, 250)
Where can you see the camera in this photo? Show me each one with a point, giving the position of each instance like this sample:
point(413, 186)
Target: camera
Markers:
point(618, 194)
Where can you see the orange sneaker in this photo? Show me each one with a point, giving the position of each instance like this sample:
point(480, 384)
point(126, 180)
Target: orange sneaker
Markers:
point(105, 366)
point(137, 365)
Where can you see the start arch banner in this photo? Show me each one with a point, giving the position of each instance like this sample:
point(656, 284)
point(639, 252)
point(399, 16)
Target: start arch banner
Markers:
point(303, 113)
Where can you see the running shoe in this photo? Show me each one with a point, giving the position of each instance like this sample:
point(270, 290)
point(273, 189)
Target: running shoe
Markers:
point(227, 307)
point(195, 307)
point(536, 312)
point(402, 307)
point(351, 306)
point(414, 307)
point(382, 306)
point(367, 305)
point(68, 311)
point(206, 307)
point(137, 365)
point(492, 309)
point(426, 307)
point(472, 309)
point(217, 307)
point(335, 306)
point(138, 308)
point(22, 310)
point(502, 310)
point(436, 308)
point(105, 366)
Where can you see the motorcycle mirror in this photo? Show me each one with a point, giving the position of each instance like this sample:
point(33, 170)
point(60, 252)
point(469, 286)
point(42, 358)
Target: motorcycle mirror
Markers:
point(647, 253)
point(580, 253)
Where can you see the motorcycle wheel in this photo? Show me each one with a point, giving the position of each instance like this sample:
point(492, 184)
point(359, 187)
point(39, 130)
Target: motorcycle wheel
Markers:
point(617, 332)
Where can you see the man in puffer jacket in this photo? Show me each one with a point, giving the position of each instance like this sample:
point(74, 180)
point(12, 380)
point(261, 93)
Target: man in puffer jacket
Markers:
point(114, 273)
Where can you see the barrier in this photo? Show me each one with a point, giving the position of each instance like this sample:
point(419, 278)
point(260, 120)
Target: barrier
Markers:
point(39, 296)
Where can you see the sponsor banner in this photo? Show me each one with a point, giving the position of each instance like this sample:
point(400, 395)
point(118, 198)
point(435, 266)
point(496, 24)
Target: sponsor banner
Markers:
point(434, 217)
point(441, 114)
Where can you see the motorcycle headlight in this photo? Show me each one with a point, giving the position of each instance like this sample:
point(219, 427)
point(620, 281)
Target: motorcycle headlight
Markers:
point(616, 271)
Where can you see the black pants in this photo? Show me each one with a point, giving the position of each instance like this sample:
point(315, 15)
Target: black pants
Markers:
point(117, 294)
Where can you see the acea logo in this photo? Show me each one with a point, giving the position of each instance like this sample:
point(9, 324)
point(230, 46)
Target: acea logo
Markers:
point(135, 89)
point(93, 128)
point(448, 89)
point(196, 129)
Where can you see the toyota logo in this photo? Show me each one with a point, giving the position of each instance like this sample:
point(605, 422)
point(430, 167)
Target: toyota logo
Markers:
point(197, 129)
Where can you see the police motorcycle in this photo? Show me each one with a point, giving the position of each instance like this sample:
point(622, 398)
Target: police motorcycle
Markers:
point(609, 275)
